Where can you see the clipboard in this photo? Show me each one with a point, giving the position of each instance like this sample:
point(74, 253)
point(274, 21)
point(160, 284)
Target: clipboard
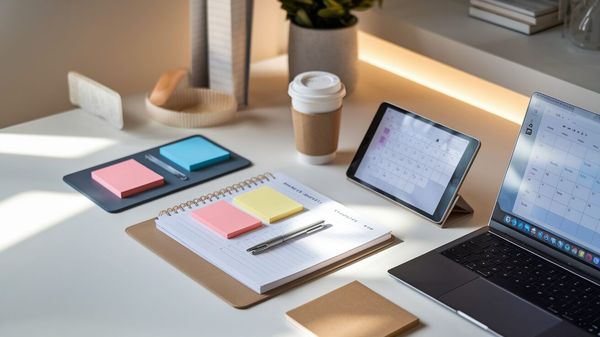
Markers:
point(217, 281)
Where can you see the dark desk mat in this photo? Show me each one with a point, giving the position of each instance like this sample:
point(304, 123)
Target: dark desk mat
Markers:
point(82, 180)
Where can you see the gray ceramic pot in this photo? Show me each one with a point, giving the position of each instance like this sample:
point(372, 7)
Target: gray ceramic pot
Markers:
point(331, 50)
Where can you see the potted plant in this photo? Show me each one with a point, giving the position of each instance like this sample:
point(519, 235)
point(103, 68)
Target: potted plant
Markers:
point(323, 36)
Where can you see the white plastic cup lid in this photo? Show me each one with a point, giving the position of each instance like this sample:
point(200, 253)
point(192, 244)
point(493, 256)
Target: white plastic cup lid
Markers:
point(316, 84)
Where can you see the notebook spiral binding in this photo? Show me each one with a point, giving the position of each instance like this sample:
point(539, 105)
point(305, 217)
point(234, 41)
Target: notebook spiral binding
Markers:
point(216, 195)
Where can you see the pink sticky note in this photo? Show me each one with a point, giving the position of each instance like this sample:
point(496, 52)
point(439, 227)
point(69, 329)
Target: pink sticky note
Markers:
point(226, 219)
point(127, 178)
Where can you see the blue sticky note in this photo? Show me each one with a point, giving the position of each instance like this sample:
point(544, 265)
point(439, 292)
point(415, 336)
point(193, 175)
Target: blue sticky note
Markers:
point(194, 153)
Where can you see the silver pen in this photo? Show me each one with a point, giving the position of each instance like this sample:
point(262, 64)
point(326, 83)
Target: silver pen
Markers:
point(278, 240)
point(166, 166)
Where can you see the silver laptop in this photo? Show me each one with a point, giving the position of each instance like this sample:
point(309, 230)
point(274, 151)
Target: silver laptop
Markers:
point(535, 270)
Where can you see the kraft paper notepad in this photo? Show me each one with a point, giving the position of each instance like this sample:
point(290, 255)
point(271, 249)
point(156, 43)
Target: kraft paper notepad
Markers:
point(127, 178)
point(194, 153)
point(352, 311)
point(268, 204)
point(225, 219)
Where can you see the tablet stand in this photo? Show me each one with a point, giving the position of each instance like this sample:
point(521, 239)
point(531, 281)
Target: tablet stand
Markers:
point(460, 208)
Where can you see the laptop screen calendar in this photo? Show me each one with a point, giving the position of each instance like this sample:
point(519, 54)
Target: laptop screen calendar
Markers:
point(552, 188)
point(411, 159)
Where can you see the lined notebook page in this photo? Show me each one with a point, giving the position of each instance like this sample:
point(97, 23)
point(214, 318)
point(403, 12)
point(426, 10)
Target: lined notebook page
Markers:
point(347, 234)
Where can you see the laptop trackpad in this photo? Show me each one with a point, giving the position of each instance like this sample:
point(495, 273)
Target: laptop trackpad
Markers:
point(500, 310)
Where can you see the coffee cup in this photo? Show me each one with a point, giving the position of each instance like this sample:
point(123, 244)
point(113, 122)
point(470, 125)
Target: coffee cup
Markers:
point(316, 114)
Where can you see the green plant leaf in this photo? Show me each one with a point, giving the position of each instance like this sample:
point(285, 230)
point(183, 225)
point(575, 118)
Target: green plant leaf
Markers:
point(303, 19)
point(332, 4)
point(325, 14)
point(328, 13)
point(347, 22)
point(362, 5)
point(289, 6)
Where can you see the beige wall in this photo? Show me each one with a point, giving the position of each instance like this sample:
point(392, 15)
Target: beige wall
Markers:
point(269, 31)
point(123, 44)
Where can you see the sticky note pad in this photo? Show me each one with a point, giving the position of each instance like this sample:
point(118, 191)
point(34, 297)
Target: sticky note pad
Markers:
point(226, 219)
point(194, 153)
point(267, 204)
point(127, 178)
point(352, 311)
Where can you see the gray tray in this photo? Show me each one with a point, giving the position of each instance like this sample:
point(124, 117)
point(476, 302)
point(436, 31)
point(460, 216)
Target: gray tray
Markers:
point(82, 180)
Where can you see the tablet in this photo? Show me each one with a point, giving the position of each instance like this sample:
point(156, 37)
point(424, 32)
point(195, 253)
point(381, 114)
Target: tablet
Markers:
point(413, 161)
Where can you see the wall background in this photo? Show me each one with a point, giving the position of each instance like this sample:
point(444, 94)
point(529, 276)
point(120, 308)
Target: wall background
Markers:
point(123, 44)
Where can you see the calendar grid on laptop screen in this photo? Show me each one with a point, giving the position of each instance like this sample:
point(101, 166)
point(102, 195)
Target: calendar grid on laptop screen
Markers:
point(560, 188)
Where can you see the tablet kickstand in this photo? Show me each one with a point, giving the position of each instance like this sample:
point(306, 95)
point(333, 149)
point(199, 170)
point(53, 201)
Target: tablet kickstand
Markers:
point(461, 206)
point(460, 209)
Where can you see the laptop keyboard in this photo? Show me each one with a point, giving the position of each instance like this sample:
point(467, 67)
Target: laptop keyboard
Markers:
point(532, 278)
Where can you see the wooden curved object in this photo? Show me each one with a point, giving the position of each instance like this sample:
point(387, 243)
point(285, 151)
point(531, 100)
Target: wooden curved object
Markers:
point(166, 85)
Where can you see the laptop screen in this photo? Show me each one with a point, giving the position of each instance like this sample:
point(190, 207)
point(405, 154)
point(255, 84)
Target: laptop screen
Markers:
point(551, 191)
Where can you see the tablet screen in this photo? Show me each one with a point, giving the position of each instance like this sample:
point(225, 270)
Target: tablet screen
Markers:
point(414, 159)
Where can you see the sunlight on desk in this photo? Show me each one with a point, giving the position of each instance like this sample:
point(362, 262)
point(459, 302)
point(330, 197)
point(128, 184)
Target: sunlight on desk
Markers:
point(361, 325)
point(26, 214)
point(51, 146)
point(442, 78)
point(398, 214)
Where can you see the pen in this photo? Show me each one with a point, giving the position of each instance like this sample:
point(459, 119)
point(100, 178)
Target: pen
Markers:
point(166, 166)
point(278, 240)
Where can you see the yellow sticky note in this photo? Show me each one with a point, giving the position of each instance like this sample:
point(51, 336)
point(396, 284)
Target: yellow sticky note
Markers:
point(267, 204)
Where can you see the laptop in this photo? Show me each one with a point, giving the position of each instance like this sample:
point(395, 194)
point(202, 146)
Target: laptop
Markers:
point(535, 269)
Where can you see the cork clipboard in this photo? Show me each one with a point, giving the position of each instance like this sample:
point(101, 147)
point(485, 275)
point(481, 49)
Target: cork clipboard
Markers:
point(217, 281)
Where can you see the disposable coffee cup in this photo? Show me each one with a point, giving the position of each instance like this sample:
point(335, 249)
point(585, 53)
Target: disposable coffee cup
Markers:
point(316, 114)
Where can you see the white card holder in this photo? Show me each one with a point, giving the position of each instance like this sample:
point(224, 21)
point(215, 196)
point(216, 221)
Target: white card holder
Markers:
point(95, 98)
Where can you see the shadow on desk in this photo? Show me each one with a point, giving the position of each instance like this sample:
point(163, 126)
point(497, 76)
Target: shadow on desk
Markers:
point(247, 117)
point(343, 158)
point(268, 91)
point(461, 221)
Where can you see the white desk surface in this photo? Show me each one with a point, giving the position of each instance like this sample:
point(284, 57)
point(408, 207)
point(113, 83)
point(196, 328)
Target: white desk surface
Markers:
point(69, 269)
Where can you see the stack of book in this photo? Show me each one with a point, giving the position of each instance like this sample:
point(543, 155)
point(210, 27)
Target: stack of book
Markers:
point(524, 16)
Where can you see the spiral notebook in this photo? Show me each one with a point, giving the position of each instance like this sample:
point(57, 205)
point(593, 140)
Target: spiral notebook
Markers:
point(348, 232)
point(242, 279)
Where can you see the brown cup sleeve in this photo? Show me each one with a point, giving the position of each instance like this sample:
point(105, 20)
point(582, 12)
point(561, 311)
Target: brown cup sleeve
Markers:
point(317, 134)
